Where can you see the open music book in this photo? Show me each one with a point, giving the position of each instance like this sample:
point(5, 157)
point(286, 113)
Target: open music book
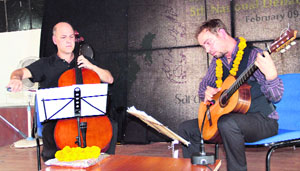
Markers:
point(149, 120)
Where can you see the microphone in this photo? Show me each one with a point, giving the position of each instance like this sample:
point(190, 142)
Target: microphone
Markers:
point(203, 158)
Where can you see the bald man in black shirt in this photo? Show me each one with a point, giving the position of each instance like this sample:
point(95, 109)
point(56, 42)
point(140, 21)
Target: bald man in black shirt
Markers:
point(48, 70)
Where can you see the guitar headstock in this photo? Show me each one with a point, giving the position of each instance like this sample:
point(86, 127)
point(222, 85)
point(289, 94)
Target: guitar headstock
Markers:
point(283, 42)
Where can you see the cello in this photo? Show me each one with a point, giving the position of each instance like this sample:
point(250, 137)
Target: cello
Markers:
point(97, 130)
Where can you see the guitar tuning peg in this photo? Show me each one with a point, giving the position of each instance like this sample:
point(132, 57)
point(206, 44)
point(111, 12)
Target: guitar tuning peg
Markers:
point(282, 50)
point(293, 43)
point(288, 47)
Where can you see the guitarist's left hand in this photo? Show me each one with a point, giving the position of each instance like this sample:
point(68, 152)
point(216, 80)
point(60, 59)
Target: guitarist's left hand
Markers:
point(266, 65)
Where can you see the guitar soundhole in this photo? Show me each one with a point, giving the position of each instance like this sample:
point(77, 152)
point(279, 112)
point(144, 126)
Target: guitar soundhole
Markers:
point(223, 99)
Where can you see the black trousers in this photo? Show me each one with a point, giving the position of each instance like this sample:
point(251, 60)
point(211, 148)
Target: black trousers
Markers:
point(50, 148)
point(235, 130)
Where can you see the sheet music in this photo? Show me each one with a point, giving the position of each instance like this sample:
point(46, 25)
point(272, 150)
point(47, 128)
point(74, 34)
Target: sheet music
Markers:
point(149, 120)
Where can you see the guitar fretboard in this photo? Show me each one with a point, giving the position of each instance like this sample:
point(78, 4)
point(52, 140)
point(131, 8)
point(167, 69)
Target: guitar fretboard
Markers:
point(237, 84)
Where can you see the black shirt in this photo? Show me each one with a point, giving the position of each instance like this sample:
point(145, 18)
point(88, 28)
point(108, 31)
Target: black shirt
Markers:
point(47, 70)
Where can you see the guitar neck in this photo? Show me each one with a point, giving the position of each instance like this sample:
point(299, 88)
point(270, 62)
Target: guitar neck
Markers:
point(241, 79)
point(279, 44)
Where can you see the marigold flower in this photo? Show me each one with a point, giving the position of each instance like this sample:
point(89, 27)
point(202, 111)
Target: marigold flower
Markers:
point(77, 153)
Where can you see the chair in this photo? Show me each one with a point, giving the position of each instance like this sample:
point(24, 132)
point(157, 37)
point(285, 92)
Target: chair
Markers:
point(289, 118)
point(37, 132)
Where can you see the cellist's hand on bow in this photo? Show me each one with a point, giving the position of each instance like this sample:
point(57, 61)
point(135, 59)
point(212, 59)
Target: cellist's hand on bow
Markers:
point(14, 85)
point(84, 63)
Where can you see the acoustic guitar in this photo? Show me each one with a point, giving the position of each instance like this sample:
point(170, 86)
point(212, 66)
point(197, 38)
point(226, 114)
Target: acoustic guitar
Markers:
point(234, 95)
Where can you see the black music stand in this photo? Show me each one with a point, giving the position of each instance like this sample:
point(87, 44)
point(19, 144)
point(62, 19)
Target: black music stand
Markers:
point(56, 103)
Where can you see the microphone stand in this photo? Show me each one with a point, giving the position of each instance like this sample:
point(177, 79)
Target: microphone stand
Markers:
point(203, 158)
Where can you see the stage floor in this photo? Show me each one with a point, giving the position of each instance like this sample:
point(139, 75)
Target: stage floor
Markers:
point(285, 159)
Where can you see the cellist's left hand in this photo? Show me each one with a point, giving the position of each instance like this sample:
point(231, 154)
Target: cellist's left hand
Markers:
point(104, 74)
point(84, 63)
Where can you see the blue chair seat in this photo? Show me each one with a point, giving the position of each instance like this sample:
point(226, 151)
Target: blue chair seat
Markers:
point(283, 135)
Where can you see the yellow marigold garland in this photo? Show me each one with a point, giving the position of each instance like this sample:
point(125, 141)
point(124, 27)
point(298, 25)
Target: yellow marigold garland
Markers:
point(219, 72)
point(235, 66)
point(77, 153)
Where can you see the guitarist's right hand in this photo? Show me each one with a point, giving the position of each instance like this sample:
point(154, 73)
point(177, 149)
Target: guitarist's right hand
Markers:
point(210, 92)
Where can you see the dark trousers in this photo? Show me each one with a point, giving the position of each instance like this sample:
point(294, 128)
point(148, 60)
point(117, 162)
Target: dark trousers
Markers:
point(50, 148)
point(235, 130)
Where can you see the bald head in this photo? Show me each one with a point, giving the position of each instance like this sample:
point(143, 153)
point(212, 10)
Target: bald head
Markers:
point(61, 25)
point(64, 38)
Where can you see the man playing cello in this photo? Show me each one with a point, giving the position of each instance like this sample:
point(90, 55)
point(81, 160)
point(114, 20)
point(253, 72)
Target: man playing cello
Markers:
point(47, 71)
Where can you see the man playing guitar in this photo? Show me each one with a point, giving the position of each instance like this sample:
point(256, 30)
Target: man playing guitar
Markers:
point(232, 56)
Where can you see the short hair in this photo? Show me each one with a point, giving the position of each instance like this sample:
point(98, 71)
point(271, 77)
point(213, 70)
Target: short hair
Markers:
point(213, 25)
